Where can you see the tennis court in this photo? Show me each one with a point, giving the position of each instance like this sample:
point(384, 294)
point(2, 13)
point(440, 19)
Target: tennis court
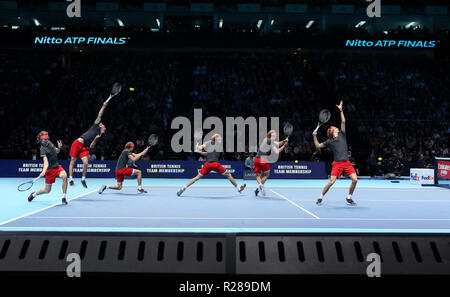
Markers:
point(213, 205)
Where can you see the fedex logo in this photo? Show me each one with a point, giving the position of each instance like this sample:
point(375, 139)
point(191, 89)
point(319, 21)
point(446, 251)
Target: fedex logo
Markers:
point(415, 177)
point(428, 177)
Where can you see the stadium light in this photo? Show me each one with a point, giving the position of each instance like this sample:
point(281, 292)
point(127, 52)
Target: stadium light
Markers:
point(57, 28)
point(220, 23)
point(259, 24)
point(159, 24)
point(36, 22)
point(360, 24)
point(119, 21)
point(309, 24)
point(271, 22)
point(14, 27)
point(414, 25)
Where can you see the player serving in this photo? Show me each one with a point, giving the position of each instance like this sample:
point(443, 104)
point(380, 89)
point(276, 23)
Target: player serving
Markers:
point(262, 164)
point(80, 147)
point(338, 143)
point(212, 163)
point(51, 169)
point(122, 170)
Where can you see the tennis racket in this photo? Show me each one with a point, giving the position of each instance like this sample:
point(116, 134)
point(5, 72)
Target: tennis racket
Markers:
point(152, 140)
point(249, 163)
point(116, 88)
point(324, 116)
point(27, 185)
point(288, 129)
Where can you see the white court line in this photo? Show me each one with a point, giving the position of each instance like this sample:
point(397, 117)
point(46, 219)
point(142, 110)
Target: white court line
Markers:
point(209, 218)
point(245, 229)
point(42, 209)
point(368, 189)
point(293, 203)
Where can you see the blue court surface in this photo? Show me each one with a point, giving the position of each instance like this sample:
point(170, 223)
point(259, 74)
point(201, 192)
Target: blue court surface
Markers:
point(213, 205)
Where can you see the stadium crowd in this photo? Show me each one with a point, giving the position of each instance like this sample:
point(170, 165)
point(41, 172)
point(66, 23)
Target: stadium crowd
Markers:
point(397, 112)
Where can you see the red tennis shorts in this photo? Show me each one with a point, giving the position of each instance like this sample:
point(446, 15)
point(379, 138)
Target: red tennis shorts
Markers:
point(342, 166)
point(78, 150)
point(51, 174)
point(212, 166)
point(261, 165)
point(121, 173)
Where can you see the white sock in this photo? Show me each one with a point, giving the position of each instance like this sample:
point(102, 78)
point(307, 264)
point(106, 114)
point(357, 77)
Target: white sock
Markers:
point(64, 195)
point(139, 187)
point(33, 194)
point(321, 196)
point(349, 196)
point(70, 178)
point(83, 177)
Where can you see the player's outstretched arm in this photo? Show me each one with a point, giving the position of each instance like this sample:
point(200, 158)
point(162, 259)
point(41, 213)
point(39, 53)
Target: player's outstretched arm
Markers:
point(316, 142)
point(100, 113)
point(281, 148)
point(341, 110)
point(280, 142)
point(135, 157)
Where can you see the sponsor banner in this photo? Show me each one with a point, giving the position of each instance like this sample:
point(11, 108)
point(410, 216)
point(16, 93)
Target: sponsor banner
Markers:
point(300, 170)
point(443, 169)
point(421, 176)
point(165, 169)
point(32, 168)
point(186, 169)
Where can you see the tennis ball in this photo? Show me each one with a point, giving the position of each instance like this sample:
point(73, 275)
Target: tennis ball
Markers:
point(296, 161)
point(131, 89)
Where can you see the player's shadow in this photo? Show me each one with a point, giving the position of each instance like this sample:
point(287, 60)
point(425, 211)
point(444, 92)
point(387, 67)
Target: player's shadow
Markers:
point(270, 198)
point(212, 197)
point(129, 194)
point(348, 207)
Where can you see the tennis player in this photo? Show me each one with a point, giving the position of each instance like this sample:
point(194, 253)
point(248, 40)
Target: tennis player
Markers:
point(51, 169)
point(122, 170)
point(212, 163)
point(80, 147)
point(262, 164)
point(337, 141)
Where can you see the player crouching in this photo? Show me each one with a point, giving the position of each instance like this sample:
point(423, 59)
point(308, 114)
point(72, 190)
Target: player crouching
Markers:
point(122, 170)
point(213, 150)
point(51, 169)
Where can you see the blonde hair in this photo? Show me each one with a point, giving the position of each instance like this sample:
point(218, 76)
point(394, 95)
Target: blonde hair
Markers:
point(129, 145)
point(269, 134)
point(38, 137)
